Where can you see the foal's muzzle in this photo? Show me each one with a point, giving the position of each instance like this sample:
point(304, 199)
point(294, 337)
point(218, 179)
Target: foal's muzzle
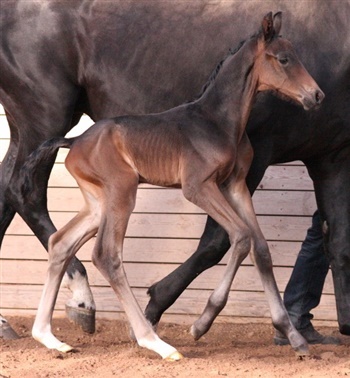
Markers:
point(312, 98)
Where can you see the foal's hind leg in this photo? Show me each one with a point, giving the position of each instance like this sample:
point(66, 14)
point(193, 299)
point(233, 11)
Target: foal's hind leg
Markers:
point(107, 257)
point(63, 245)
point(81, 307)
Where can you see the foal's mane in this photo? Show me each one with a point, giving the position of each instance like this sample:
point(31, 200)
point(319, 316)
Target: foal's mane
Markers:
point(214, 74)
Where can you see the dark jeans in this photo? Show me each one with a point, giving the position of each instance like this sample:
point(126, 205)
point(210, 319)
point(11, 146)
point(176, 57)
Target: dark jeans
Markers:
point(304, 289)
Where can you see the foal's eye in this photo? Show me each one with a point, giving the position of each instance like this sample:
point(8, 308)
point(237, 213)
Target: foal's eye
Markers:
point(283, 61)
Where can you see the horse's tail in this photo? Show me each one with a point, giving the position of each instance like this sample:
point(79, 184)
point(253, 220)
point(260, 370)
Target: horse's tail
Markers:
point(31, 168)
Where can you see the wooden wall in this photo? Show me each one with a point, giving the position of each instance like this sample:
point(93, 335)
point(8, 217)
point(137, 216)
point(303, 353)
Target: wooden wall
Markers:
point(163, 231)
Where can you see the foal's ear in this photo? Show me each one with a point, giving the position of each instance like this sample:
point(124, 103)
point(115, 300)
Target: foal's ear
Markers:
point(271, 26)
point(267, 27)
point(277, 23)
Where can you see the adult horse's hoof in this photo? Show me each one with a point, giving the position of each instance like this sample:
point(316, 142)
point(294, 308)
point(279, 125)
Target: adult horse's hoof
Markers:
point(7, 332)
point(175, 356)
point(344, 329)
point(84, 318)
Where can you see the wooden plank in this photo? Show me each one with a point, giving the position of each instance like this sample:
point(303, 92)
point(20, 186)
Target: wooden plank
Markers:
point(286, 177)
point(141, 250)
point(4, 128)
point(135, 249)
point(4, 144)
point(172, 201)
point(146, 274)
point(84, 123)
point(60, 177)
point(183, 226)
point(140, 225)
point(240, 304)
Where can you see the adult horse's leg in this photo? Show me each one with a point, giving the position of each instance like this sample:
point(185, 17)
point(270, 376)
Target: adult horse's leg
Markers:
point(81, 307)
point(212, 248)
point(329, 173)
point(7, 214)
point(63, 246)
point(6, 168)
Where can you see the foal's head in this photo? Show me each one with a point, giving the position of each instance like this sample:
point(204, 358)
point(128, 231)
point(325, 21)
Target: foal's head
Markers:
point(279, 69)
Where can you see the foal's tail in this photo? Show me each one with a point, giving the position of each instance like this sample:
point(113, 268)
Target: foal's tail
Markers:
point(35, 164)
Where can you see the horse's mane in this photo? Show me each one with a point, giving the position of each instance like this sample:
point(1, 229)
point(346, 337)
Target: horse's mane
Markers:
point(218, 67)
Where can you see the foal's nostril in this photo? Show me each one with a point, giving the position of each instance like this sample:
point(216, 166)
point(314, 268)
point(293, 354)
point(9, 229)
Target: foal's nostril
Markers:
point(319, 96)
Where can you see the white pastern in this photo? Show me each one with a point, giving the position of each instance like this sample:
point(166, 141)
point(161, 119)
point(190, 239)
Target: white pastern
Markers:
point(159, 346)
point(50, 341)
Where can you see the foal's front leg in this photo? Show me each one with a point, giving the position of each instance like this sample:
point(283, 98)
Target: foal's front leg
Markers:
point(208, 196)
point(63, 245)
point(238, 196)
point(239, 200)
point(262, 259)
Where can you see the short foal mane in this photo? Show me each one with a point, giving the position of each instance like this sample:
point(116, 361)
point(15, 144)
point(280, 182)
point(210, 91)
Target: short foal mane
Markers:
point(215, 72)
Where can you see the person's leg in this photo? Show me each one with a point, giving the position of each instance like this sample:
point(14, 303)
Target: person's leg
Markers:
point(304, 289)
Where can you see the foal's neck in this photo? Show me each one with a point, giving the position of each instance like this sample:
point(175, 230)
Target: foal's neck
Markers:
point(229, 98)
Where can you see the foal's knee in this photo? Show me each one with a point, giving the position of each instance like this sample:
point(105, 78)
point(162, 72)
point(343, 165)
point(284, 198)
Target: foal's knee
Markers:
point(262, 256)
point(106, 257)
point(58, 250)
point(242, 239)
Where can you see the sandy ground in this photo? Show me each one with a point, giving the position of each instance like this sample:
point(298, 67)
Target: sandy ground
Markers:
point(230, 350)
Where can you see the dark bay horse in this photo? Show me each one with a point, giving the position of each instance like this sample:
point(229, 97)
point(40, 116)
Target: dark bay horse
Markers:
point(60, 59)
point(200, 146)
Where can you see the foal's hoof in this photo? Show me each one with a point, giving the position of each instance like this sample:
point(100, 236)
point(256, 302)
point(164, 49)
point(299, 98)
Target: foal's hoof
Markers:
point(7, 332)
point(65, 348)
point(132, 334)
point(85, 318)
point(302, 351)
point(175, 356)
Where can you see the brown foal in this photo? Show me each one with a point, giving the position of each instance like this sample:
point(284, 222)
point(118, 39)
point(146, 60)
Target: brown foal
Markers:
point(200, 147)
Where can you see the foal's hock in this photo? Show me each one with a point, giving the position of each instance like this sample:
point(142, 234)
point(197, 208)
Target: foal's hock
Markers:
point(201, 147)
